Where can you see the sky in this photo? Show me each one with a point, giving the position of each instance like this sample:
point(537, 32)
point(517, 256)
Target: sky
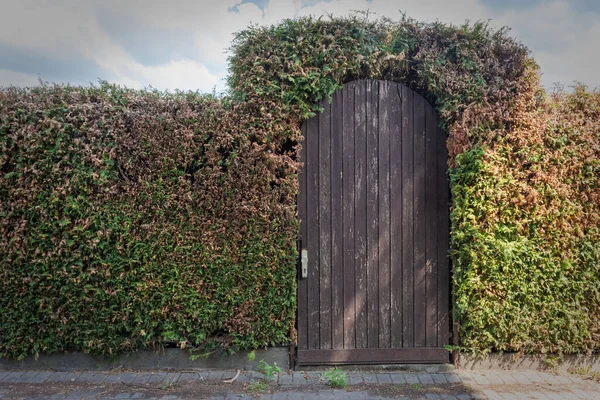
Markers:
point(182, 44)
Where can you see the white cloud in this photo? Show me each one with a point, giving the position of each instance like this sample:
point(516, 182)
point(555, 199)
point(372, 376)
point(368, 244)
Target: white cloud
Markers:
point(12, 78)
point(561, 37)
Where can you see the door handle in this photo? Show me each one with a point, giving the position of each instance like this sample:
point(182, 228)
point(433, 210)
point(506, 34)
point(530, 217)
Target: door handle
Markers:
point(304, 262)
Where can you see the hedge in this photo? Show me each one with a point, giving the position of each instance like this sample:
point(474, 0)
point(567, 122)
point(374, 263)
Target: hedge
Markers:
point(131, 218)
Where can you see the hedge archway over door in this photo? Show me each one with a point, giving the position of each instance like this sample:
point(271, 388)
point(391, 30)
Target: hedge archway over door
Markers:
point(373, 205)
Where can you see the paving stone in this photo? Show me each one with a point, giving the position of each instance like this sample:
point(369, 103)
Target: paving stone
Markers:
point(356, 395)
point(448, 397)
point(113, 378)
point(137, 395)
point(14, 376)
point(157, 378)
point(508, 396)
point(480, 379)
point(215, 375)
point(370, 378)
point(425, 379)
point(398, 379)
point(142, 378)
point(124, 395)
point(28, 376)
point(188, 377)
point(127, 377)
point(411, 378)
point(521, 378)
point(494, 378)
point(354, 379)
point(87, 377)
point(537, 395)
point(3, 375)
point(452, 378)
point(508, 377)
point(439, 378)
point(285, 379)
point(464, 396)
point(384, 378)
point(432, 396)
point(64, 377)
point(492, 394)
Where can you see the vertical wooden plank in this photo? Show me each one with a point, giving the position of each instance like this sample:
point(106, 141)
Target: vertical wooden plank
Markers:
point(337, 255)
point(312, 220)
point(372, 216)
point(407, 218)
point(348, 215)
point(360, 214)
point(443, 240)
point(325, 224)
point(384, 214)
point(302, 322)
point(431, 227)
point(396, 213)
point(419, 222)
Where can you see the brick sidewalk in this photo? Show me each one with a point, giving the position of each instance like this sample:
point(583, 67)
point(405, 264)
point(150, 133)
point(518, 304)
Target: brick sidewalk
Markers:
point(456, 385)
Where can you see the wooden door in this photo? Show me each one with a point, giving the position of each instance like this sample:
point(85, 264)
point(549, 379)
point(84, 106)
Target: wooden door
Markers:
point(373, 206)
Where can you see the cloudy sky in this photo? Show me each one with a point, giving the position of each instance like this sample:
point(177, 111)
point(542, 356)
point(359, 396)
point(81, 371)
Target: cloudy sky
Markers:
point(181, 44)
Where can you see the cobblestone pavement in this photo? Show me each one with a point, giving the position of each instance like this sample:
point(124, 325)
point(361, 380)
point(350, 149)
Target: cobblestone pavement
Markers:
point(455, 385)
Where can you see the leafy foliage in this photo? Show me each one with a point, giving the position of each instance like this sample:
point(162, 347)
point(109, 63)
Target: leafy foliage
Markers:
point(130, 218)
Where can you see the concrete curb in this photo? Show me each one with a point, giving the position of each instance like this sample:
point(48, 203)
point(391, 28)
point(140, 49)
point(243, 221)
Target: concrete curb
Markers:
point(512, 361)
point(165, 359)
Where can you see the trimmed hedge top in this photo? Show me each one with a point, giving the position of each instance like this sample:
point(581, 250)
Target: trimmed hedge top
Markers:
point(130, 218)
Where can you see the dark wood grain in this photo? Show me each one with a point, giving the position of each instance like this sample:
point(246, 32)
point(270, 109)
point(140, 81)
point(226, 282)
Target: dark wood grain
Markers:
point(443, 241)
point(407, 218)
point(419, 222)
point(396, 243)
point(431, 228)
point(373, 356)
point(348, 216)
point(325, 226)
point(302, 321)
point(312, 221)
point(373, 206)
point(384, 106)
point(372, 215)
point(360, 213)
point(337, 230)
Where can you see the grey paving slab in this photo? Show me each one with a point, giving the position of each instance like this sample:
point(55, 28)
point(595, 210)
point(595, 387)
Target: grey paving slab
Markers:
point(215, 376)
point(370, 378)
point(452, 378)
point(142, 378)
point(63, 377)
point(439, 378)
point(157, 378)
point(508, 377)
point(3, 375)
point(521, 378)
point(480, 379)
point(425, 379)
point(356, 395)
point(384, 378)
point(124, 395)
point(494, 377)
point(448, 397)
point(28, 376)
point(464, 396)
point(354, 379)
point(172, 378)
point(14, 376)
point(127, 377)
point(432, 396)
point(398, 379)
point(537, 395)
point(188, 377)
point(113, 378)
point(411, 378)
point(285, 379)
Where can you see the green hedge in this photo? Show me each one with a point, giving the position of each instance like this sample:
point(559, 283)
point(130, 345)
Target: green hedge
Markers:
point(130, 218)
